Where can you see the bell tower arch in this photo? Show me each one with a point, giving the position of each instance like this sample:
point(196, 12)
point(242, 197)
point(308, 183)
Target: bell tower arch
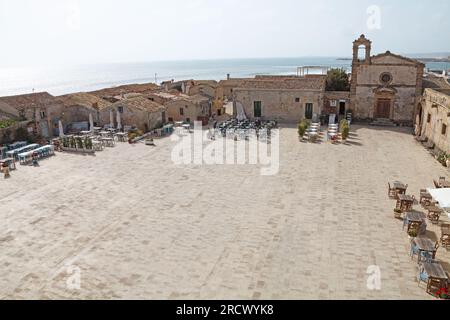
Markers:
point(361, 50)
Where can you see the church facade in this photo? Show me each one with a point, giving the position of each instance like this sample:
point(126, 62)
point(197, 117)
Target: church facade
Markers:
point(386, 86)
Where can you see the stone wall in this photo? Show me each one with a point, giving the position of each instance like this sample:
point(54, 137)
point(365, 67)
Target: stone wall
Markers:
point(191, 111)
point(8, 135)
point(280, 105)
point(436, 105)
point(142, 119)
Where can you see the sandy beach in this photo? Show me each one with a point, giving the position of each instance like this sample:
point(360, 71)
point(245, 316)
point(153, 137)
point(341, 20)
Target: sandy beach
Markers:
point(137, 226)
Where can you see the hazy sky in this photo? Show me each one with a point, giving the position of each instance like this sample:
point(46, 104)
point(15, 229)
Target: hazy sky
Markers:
point(34, 32)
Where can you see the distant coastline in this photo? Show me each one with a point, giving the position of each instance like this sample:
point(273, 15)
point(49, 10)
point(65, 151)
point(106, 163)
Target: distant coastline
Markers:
point(70, 79)
point(425, 60)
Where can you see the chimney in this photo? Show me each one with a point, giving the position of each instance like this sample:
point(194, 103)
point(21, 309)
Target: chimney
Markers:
point(228, 76)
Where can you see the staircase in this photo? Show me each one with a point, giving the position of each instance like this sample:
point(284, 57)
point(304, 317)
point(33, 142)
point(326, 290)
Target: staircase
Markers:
point(382, 122)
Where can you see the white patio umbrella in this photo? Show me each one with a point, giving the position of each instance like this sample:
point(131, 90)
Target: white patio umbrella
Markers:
point(61, 129)
point(91, 122)
point(119, 121)
point(111, 118)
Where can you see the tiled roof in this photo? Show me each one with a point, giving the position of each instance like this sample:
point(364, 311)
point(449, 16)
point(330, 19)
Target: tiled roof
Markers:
point(83, 99)
point(128, 88)
point(39, 99)
point(435, 82)
point(300, 83)
point(141, 103)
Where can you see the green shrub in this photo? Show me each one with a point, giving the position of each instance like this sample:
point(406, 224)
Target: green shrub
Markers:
point(443, 157)
point(21, 134)
point(302, 127)
point(7, 123)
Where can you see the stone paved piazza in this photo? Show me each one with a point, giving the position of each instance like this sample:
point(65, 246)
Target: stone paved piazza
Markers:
point(139, 227)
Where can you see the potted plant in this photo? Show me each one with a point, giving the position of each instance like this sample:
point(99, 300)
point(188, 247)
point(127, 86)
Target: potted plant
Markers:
point(442, 158)
point(345, 130)
point(442, 294)
point(302, 126)
point(397, 213)
point(412, 233)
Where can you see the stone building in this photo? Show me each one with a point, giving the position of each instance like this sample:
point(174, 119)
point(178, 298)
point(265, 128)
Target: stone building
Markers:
point(189, 108)
point(34, 107)
point(75, 111)
point(138, 111)
point(225, 89)
point(433, 118)
point(282, 98)
point(384, 86)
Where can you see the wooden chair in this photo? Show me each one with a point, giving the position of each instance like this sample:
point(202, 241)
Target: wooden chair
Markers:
point(436, 184)
point(445, 238)
point(434, 217)
point(392, 193)
point(433, 285)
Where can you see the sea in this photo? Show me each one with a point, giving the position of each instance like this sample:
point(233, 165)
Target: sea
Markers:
point(70, 79)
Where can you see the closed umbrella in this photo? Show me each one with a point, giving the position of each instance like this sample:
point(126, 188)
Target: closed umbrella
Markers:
point(119, 121)
point(111, 119)
point(91, 122)
point(61, 129)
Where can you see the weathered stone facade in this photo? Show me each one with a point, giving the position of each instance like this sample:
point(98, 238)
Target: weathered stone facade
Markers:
point(385, 85)
point(433, 118)
point(139, 111)
point(188, 108)
point(287, 99)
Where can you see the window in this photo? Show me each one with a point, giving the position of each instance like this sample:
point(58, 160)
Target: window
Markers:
point(444, 129)
point(181, 112)
point(43, 115)
point(429, 118)
point(297, 99)
point(257, 109)
point(120, 109)
point(386, 78)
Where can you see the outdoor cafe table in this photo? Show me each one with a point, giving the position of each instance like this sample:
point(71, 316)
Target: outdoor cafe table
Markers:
point(16, 152)
point(434, 213)
point(17, 145)
point(121, 136)
point(10, 161)
point(405, 202)
point(424, 245)
point(435, 272)
point(109, 142)
point(445, 234)
point(400, 188)
point(425, 197)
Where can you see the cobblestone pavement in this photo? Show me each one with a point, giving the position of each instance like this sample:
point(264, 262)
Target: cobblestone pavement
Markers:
point(137, 226)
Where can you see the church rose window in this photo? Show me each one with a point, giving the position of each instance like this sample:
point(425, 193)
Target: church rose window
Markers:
point(386, 78)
